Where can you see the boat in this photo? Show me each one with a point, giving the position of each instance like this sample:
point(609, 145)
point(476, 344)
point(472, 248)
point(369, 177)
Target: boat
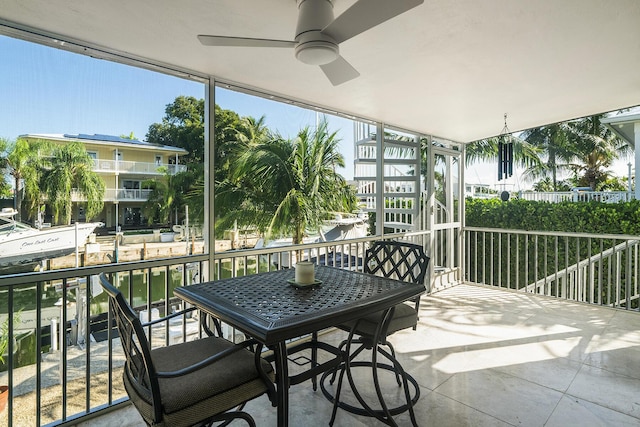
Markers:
point(336, 230)
point(22, 244)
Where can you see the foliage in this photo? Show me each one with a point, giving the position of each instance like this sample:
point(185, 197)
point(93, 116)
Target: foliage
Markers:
point(546, 185)
point(587, 217)
point(584, 148)
point(70, 167)
point(167, 195)
point(524, 153)
point(613, 183)
point(286, 187)
point(5, 334)
point(5, 187)
point(596, 147)
point(182, 126)
point(553, 142)
point(25, 161)
point(52, 171)
point(546, 254)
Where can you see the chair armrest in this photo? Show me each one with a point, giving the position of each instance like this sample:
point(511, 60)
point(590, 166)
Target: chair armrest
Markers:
point(171, 316)
point(208, 361)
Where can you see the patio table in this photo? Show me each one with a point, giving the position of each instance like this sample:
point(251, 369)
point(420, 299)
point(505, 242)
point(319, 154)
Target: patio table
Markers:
point(269, 309)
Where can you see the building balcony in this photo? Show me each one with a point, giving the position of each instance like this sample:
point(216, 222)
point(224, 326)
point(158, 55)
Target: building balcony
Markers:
point(140, 168)
point(117, 195)
point(490, 357)
point(540, 348)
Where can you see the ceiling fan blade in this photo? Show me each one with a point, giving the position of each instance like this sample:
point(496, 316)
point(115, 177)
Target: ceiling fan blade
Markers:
point(339, 71)
point(243, 42)
point(366, 14)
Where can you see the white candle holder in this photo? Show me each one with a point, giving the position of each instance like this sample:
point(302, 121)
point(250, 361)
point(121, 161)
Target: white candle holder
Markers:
point(305, 273)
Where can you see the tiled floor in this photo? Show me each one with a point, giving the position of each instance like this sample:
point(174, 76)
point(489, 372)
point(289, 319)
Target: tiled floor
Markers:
point(487, 357)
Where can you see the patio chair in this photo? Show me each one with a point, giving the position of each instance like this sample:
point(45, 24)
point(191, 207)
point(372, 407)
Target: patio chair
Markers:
point(396, 260)
point(192, 383)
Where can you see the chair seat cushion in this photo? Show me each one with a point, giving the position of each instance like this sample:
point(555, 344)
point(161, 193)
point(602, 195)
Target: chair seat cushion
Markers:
point(404, 317)
point(214, 389)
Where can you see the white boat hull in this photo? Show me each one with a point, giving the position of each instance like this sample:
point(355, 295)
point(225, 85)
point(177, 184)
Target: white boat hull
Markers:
point(31, 245)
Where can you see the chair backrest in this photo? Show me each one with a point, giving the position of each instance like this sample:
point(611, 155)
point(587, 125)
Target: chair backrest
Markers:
point(138, 368)
point(397, 260)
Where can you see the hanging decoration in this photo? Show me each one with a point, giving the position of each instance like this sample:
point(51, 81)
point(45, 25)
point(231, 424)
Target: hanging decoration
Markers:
point(505, 152)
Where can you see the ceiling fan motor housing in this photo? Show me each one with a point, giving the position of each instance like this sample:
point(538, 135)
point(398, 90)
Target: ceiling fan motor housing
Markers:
point(313, 47)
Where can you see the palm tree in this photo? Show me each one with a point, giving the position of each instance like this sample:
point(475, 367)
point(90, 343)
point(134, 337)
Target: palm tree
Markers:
point(167, 195)
point(290, 183)
point(25, 161)
point(71, 168)
point(554, 140)
point(596, 147)
point(5, 187)
point(525, 154)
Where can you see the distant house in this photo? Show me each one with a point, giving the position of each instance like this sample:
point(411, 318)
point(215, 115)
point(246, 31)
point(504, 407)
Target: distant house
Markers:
point(123, 164)
point(479, 191)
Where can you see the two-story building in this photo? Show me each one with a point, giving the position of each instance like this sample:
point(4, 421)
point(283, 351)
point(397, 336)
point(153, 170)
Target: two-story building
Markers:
point(123, 164)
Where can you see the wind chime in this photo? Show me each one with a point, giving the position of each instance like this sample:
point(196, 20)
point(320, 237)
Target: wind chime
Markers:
point(505, 152)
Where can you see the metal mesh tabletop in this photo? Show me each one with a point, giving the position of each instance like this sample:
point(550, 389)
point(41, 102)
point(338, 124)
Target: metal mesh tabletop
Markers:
point(269, 308)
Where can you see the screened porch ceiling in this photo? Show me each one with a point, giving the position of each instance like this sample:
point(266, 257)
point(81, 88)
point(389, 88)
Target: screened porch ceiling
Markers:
point(446, 68)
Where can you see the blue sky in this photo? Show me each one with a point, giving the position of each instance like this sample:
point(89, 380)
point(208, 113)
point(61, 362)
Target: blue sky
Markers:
point(47, 90)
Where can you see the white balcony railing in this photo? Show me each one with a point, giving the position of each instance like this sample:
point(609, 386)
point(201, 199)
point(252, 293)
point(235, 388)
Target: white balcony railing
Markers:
point(590, 268)
point(578, 196)
point(116, 195)
point(136, 167)
point(518, 260)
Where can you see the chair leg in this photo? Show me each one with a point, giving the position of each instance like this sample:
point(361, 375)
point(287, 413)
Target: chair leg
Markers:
point(355, 354)
point(393, 354)
point(384, 413)
point(314, 360)
point(336, 398)
point(228, 417)
point(406, 378)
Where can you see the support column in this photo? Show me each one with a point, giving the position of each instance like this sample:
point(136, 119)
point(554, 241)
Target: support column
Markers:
point(636, 132)
point(209, 168)
point(380, 208)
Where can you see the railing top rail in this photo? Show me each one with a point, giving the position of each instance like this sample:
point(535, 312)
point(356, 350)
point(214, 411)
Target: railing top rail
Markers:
point(306, 246)
point(31, 277)
point(555, 233)
point(583, 263)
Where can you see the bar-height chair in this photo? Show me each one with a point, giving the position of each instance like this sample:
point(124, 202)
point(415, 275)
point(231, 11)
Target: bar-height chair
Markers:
point(193, 383)
point(396, 260)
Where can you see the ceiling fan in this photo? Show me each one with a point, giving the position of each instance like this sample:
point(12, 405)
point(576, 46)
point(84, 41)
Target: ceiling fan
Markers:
point(318, 34)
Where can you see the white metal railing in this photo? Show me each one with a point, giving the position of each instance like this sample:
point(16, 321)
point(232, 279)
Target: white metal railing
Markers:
point(60, 350)
point(101, 165)
point(578, 279)
point(590, 268)
point(597, 269)
point(578, 196)
point(116, 194)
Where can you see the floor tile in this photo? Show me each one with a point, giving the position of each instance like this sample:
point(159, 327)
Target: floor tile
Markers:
point(488, 357)
point(607, 389)
point(505, 397)
point(573, 412)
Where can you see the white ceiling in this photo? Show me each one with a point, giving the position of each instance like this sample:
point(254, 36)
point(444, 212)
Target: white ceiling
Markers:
point(449, 68)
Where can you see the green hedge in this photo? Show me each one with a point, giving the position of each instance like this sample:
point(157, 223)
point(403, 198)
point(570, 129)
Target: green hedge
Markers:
point(527, 258)
point(584, 217)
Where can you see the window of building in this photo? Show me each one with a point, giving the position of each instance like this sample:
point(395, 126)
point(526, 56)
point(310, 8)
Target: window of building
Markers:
point(131, 184)
point(133, 216)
